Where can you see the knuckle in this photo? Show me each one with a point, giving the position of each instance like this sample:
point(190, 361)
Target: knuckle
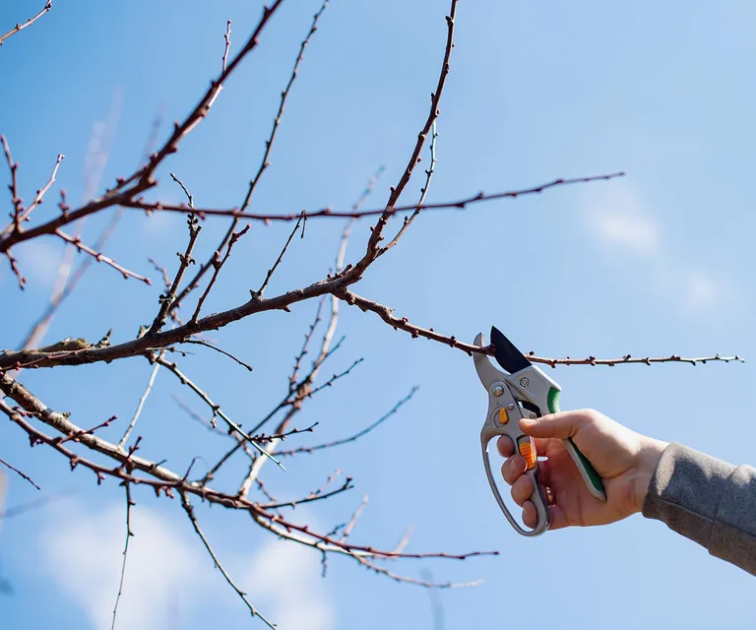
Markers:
point(504, 446)
point(522, 490)
point(512, 469)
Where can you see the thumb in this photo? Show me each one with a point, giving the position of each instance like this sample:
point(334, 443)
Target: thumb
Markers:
point(556, 425)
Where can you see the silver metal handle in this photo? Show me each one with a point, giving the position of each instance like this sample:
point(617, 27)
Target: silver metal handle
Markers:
point(538, 497)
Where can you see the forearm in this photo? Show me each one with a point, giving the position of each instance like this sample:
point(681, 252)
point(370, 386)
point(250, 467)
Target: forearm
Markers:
point(708, 501)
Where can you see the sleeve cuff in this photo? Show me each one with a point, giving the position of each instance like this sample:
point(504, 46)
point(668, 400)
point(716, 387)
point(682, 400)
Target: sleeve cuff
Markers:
point(686, 490)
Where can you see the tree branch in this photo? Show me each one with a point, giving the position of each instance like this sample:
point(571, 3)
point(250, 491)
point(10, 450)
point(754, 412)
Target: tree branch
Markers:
point(129, 504)
point(189, 509)
point(20, 27)
point(20, 473)
point(353, 438)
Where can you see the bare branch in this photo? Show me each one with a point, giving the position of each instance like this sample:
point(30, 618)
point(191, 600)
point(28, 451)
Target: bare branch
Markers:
point(168, 301)
point(372, 250)
point(76, 437)
point(210, 425)
point(18, 208)
point(76, 242)
point(129, 534)
point(233, 426)
point(67, 284)
point(163, 273)
point(329, 213)
point(206, 344)
point(313, 496)
point(227, 39)
point(282, 436)
point(15, 270)
point(356, 436)
point(277, 121)
point(423, 193)
point(265, 159)
point(20, 27)
point(189, 509)
point(307, 338)
point(272, 270)
point(166, 480)
point(353, 521)
point(39, 197)
point(141, 180)
point(20, 473)
point(140, 406)
point(218, 263)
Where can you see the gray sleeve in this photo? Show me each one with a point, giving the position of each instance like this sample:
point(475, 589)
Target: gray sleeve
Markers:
point(708, 501)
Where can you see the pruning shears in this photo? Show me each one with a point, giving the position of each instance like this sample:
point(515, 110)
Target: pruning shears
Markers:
point(523, 392)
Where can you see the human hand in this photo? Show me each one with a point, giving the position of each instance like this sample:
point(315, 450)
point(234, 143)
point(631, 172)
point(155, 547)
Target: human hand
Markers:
point(625, 460)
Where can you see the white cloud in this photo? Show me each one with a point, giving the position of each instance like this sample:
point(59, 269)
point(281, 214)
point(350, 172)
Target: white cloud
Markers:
point(697, 291)
point(621, 224)
point(701, 290)
point(617, 219)
point(83, 554)
point(39, 261)
point(286, 576)
point(82, 549)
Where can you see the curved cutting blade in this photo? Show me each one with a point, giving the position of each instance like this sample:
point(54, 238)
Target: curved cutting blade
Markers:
point(506, 354)
point(487, 373)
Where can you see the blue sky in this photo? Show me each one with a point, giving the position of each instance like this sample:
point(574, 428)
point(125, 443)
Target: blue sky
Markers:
point(657, 263)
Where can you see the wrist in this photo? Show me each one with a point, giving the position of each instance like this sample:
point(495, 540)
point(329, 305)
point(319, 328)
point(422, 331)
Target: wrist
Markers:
point(648, 459)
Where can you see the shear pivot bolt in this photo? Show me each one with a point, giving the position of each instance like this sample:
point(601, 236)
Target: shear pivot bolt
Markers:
point(498, 391)
point(524, 382)
point(510, 406)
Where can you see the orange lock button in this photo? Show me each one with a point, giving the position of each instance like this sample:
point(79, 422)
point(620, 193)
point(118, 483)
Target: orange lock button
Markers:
point(503, 416)
point(527, 450)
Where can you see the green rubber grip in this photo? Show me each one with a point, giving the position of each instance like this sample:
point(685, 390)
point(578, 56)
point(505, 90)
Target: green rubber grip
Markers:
point(590, 471)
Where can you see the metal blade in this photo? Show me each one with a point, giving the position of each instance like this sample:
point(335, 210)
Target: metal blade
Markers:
point(506, 354)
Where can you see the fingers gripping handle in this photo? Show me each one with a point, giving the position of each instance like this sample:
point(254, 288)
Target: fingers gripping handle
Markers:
point(538, 497)
point(591, 478)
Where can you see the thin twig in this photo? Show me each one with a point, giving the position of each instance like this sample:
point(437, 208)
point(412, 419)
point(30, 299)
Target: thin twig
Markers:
point(423, 192)
point(307, 338)
point(18, 207)
point(67, 284)
point(272, 270)
point(129, 534)
point(130, 188)
point(208, 424)
point(329, 213)
point(233, 426)
point(169, 301)
point(356, 436)
point(39, 197)
point(314, 496)
point(189, 509)
point(265, 162)
point(20, 473)
point(163, 479)
point(163, 272)
point(372, 250)
point(76, 437)
point(282, 436)
point(217, 266)
point(140, 406)
point(99, 257)
point(353, 521)
point(334, 378)
point(206, 344)
point(20, 27)
point(227, 39)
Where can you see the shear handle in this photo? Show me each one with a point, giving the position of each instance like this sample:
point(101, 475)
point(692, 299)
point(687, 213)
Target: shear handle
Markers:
point(538, 497)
